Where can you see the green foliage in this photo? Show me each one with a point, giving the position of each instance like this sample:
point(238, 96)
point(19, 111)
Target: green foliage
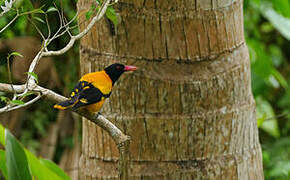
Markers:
point(3, 168)
point(276, 159)
point(34, 75)
point(15, 54)
point(17, 102)
point(110, 12)
point(264, 110)
point(267, 30)
point(54, 168)
point(22, 164)
point(16, 161)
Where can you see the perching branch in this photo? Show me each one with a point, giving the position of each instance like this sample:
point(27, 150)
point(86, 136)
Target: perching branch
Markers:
point(118, 136)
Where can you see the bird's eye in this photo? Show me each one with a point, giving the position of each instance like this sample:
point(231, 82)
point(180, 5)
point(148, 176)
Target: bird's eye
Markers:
point(118, 67)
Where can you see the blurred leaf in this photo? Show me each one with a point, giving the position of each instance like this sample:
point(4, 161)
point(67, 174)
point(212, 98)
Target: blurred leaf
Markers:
point(33, 75)
point(266, 117)
point(281, 168)
point(24, 3)
point(281, 23)
point(16, 54)
point(2, 135)
point(39, 19)
point(282, 6)
point(51, 9)
point(27, 94)
point(4, 99)
point(276, 54)
point(89, 14)
point(40, 171)
point(284, 101)
point(3, 167)
point(280, 78)
point(276, 158)
point(54, 168)
point(267, 27)
point(17, 165)
point(33, 11)
point(111, 14)
point(17, 102)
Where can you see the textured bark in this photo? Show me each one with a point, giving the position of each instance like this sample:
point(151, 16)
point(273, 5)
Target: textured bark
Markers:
point(189, 108)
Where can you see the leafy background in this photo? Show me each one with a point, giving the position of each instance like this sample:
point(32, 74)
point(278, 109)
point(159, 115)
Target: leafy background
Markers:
point(267, 32)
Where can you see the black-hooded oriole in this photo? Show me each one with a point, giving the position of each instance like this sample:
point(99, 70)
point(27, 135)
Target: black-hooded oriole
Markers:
point(93, 88)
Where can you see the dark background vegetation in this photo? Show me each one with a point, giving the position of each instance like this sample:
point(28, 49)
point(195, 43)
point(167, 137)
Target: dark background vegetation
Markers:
point(267, 32)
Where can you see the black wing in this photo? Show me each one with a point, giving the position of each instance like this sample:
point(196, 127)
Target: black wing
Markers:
point(85, 94)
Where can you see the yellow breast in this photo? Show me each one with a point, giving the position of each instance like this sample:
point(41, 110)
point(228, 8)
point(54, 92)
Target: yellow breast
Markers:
point(100, 80)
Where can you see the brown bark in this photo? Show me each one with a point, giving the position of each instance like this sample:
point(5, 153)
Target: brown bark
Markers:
point(189, 108)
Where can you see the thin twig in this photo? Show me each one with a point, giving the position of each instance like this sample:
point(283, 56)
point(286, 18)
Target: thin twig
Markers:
point(48, 27)
point(99, 15)
point(9, 72)
point(37, 29)
point(11, 108)
point(9, 23)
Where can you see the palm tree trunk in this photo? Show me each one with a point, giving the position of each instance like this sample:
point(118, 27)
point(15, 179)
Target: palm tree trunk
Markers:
point(189, 108)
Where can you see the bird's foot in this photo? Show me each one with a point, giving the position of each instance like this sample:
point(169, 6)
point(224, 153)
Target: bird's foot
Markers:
point(99, 114)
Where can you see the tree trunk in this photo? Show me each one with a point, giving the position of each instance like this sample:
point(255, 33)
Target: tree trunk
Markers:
point(189, 108)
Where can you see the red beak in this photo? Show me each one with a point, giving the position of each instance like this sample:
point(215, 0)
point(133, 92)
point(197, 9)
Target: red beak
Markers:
point(130, 68)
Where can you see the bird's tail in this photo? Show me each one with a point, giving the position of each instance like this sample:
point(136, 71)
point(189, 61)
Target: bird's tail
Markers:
point(64, 105)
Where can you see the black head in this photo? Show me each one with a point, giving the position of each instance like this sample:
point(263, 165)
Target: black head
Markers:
point(116, 70)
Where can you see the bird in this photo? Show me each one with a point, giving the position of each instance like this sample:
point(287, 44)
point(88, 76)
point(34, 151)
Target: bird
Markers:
point(94, 88)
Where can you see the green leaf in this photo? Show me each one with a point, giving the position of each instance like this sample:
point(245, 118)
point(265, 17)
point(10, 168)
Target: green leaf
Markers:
point(39, 10)
point(16, 54)
point(4, 99)
point(281, 23)
point(2, 135)
point(39, 19)
point(17, 102)
point(281, 168)
point(98, 1)
point(27, 94)
point(282, 6)
point(38, 170)
point(89, 14)
point(266, 117)
point(35, 76)
point(51, 9)
point(280, 78)
point(16, 161)
point(54, 168)
point(111, 14)
point(3, 167)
